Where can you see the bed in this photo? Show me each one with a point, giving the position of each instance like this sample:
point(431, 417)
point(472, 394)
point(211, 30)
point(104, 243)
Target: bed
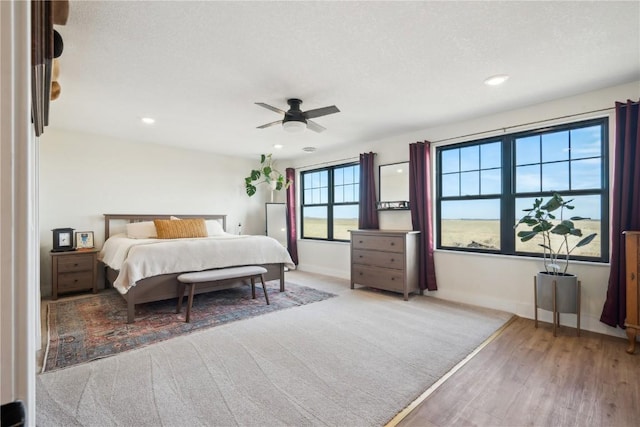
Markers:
point(146, 270)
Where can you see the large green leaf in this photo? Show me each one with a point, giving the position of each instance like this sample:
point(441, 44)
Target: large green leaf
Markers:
point(586, 240)
point(255, 175)
point(525, 236)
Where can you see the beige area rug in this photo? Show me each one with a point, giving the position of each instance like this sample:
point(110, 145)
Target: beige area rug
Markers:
point(354, 360)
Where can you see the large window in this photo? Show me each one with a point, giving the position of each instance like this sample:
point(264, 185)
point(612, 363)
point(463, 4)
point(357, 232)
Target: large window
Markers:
point(330, 199)
point(483, 187)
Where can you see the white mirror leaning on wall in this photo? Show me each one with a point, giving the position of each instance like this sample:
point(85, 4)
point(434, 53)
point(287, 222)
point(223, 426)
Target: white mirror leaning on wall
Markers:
point(394, 186)
point(276, 222)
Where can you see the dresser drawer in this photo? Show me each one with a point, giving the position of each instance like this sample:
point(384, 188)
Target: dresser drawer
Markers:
point(71, 263)
point(68, 282)
point(378, 243)
point(392, 280)
point(392, 260)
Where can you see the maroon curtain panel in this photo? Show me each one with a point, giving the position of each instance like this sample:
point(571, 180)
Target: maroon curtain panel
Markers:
point(292, 243)
point(368, 218)
point(625, 211)
point(421, 212)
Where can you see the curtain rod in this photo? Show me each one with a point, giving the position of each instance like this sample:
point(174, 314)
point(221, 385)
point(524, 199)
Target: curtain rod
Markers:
point(601, 110)
point(329, 162)
point(525, 124)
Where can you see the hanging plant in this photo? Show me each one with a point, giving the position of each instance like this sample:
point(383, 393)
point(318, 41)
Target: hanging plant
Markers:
point(266, 174)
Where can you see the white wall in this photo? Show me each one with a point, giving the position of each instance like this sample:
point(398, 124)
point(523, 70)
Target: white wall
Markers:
point(84, 176)
point(501, 282)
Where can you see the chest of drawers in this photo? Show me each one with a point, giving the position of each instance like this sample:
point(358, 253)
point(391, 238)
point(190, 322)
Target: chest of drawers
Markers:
point(74, 271)
point(385, 259)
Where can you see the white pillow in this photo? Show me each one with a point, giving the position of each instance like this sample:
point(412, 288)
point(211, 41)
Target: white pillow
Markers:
point(141, 230)
point(214, 228)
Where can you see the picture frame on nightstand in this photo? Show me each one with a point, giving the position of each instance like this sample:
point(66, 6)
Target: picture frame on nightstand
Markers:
point(84, 240)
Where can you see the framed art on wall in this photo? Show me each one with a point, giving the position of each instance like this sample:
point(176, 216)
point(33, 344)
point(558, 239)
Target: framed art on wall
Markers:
point(84, 240)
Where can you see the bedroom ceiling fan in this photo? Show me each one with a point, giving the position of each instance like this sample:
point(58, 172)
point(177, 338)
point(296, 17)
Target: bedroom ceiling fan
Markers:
point(296, 120)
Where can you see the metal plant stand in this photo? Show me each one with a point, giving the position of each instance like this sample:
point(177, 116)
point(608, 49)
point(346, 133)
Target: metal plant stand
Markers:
point(557, 304)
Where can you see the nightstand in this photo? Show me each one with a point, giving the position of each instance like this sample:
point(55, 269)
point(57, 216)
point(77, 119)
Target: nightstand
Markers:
point(74, 271)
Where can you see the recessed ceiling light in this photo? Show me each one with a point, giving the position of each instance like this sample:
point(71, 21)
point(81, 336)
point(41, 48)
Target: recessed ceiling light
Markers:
point(148, 120)
point(496, 80)
point(277, 146)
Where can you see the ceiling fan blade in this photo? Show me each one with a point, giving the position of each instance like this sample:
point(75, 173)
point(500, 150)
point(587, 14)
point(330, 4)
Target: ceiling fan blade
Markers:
point(269, 107)
point(318, 112)
point(277, 122)
point(314, 126)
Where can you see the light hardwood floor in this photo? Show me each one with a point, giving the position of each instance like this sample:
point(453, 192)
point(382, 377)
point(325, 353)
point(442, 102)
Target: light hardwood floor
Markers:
point(526, 377)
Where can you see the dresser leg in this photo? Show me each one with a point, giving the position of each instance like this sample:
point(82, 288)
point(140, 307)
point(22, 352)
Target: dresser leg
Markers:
point(631, 334)
point(352, 284)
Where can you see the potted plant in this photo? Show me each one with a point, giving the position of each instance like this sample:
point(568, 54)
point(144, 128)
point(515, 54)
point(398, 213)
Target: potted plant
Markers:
point(546, 219)
point(266, 174)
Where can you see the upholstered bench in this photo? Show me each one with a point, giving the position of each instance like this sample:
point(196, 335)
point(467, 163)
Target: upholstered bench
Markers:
point(192, 279)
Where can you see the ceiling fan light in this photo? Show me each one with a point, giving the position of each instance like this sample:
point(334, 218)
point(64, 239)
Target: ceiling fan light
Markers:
point(294, 126)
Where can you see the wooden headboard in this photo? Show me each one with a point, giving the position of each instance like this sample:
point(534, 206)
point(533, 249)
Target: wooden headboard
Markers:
point(150, 217)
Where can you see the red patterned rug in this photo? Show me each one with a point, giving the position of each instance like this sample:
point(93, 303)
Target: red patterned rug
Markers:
point(85, 329)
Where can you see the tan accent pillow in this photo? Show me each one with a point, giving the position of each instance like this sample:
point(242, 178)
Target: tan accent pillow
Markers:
point(172, 229)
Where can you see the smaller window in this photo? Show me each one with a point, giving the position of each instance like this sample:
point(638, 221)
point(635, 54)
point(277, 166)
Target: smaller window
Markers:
point(330, 202)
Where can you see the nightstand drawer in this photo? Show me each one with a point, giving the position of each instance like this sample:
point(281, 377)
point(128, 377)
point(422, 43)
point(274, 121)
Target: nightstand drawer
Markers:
point(69, 282)
point(378, 243)
point(392, 280)
point(392, 260)
point(71, 263)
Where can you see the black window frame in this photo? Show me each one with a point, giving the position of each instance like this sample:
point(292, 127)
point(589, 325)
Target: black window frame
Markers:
point(330, 200)
point(508, 194)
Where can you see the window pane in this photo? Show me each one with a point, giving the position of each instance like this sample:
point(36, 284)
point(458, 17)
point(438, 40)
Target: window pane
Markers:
point(490, 155)
point(528, 150)
point(450, 160)
point(315, 188)
point(470, 183)
point(471, 224)
point(351, 193)
point(338, 194)
point(586, 142)
point(345, 218)
point(338, 176)
point(350, 175)
point(586, 174)
point(555, 176)
point(585, 206)
point(527, 179)
point(470, 158)
point(451, 185)
point(314, 222)
point(555, 146)
point(490, 181)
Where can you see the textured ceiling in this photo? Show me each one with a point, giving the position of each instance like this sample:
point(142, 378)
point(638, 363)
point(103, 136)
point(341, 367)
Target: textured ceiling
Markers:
point(391, 67)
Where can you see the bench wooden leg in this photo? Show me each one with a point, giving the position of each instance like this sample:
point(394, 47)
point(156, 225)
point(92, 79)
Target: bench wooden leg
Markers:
point(192, 287)
point(253, 287)
point(264, 288)
point(181, 287)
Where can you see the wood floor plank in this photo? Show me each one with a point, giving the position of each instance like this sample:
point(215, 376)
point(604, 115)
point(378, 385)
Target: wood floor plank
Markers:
point(527, 377)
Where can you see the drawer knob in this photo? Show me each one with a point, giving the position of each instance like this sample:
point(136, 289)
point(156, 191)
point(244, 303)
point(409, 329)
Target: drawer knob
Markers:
point(360, 241)
point(393, 278)
point(361, 273)
point(75, 265)
point(359, 256)
point(392, 260)
point(392, 244)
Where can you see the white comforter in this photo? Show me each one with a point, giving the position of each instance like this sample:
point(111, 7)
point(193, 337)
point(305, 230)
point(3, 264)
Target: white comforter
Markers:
point(137, 259)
